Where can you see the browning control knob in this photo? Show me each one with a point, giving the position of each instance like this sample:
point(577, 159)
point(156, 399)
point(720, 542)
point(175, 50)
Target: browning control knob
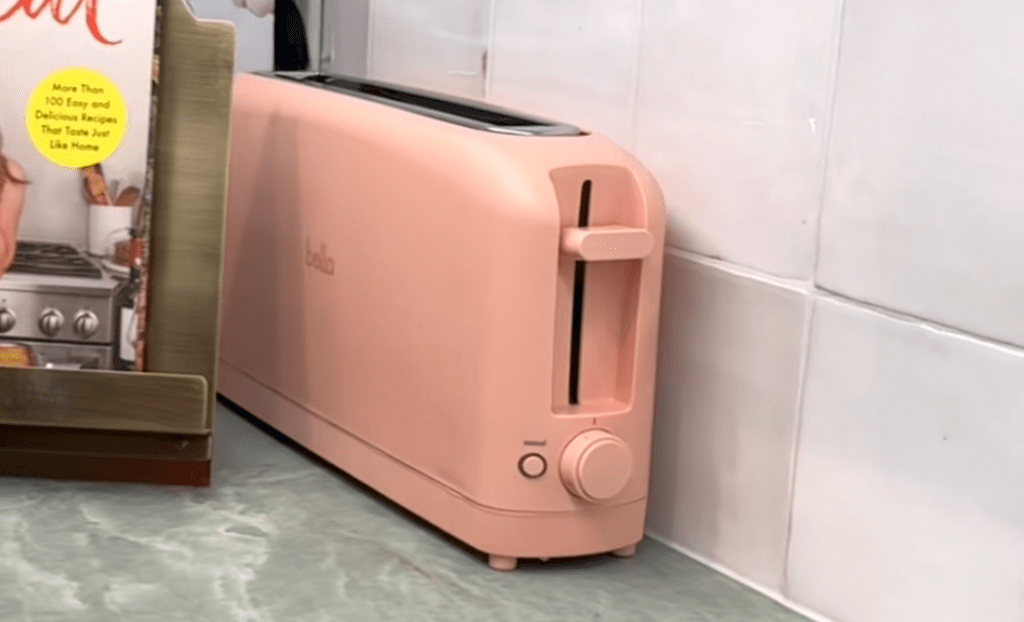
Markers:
point(7, 320)
point(51, 321)
point(596, 466)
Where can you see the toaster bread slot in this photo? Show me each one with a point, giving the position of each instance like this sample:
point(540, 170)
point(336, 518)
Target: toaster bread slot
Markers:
point(439, 106)
point(579, 277)
point(604, 242)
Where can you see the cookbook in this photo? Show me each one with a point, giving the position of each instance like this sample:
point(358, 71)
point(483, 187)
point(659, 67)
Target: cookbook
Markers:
point(77, 121)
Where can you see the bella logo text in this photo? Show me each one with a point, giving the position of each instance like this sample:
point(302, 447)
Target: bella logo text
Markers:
point(60, 12)
point(319, 259)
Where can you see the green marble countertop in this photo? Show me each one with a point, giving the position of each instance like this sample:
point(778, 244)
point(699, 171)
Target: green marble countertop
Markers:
point(281, 537)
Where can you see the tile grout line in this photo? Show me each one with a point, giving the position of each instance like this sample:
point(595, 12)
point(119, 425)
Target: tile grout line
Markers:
point(724, 570)
point(909, 318)
point(634, 91)
point(828, 126)
point(794, 455)
point(371, 12)
point(492, 19)
point(799, 285)
point(812, 289)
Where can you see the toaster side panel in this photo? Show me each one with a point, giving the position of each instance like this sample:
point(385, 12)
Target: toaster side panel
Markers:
point(367, 249)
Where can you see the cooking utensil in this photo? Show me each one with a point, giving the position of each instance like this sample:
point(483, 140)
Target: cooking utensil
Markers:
point(89, 199)
point(128, 197)
point(96, 185)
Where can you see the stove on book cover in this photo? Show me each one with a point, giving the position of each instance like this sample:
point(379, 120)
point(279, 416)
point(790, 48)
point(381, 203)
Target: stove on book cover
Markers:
point(76, 161)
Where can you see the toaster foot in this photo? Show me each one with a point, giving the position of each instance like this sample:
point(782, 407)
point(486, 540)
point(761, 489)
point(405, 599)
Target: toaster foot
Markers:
point(626, 551)
point(500, 562)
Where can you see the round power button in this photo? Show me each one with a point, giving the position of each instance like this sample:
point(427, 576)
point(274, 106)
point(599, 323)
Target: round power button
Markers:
point(533, 465)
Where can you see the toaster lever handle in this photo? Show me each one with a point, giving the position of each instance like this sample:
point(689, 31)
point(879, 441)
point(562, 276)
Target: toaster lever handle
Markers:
point(607, 243)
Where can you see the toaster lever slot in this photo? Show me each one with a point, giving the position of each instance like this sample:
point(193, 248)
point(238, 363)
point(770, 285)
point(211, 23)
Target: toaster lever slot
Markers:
point(607, 243)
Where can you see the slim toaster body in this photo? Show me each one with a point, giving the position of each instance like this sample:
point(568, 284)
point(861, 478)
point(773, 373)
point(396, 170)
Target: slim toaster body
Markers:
point(455, 304)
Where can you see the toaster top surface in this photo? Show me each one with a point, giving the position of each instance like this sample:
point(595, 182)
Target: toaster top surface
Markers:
point(456, 110)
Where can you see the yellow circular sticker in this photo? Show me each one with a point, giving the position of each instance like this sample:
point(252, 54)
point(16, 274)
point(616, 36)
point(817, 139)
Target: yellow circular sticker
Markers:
point(76, 117)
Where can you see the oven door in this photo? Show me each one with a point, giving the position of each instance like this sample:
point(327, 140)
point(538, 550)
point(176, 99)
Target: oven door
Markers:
point(68, 356)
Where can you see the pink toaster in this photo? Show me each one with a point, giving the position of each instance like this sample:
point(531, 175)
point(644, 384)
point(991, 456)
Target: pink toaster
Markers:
point(454, 303)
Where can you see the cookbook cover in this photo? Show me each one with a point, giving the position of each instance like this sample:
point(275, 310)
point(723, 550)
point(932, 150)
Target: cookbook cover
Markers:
point(77, 116)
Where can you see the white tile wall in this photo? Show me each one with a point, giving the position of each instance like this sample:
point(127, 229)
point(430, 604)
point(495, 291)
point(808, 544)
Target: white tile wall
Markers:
point(434, 45)
point(730, 356)
point(732, 116)
point(573, 61)
point(926, 166)
point(907, 502)
point(254, 36)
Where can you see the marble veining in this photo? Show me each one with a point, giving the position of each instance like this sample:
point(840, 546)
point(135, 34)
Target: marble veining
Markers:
point(281, 537)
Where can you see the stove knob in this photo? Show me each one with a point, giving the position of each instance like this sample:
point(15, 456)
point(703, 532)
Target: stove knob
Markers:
point(6, 320)
point(86, 324)
point(51, 321)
